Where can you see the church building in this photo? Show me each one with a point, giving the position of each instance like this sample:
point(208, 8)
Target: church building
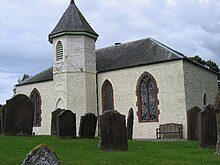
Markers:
point(159, 83)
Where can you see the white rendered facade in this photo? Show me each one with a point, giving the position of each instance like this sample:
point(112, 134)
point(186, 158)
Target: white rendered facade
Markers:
point(76, 85)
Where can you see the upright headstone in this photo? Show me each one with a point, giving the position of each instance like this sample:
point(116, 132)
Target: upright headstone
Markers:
point(130, 123)
point(113, 131)
point(54, 121)
point(88, 124)
point(66, 124)
point(19, 116)
point(2, 114)
point(192, 123)
point(207, 130)
point(41, 155)
point(0, 118)
point(217, 112)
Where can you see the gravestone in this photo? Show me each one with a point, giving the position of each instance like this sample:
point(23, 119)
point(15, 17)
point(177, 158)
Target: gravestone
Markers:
point(19, 116)
point(192, 123)
point(41, 155)
point(66, 124)
point(217, 112)
point(130, 123)
point(54, 121)
point(88, 124)
point(113, 131)
point(2, 115)
point(207, 130)
point(0, 118)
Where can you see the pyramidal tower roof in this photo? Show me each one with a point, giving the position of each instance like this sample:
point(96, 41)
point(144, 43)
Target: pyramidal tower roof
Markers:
point(72, 23)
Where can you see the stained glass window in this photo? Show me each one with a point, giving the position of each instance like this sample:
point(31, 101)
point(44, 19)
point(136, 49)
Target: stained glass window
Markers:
point(147, 98)
point(35, 97)
point(107, 96)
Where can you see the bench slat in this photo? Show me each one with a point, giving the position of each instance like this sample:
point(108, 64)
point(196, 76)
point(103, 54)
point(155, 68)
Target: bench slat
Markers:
point(169, 128)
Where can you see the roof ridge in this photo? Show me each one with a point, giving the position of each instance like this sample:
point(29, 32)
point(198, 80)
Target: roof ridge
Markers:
point(121, 44)
point(180, 55)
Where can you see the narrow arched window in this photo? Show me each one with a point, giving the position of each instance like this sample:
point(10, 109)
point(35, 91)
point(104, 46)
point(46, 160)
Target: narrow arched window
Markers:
point(36, 99)
point(147, 98)
point(107, 96)
point(204, 99)
point(59, 51)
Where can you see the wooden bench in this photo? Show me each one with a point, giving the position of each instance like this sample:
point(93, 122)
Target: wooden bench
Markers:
point(170, 129)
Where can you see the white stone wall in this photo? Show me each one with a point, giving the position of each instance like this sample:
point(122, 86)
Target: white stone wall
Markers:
point(170, 80)
point(75, 75)
point(48, 103)
point(197, 82)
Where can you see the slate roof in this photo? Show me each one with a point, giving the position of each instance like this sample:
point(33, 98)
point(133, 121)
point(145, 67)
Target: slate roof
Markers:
point(43, 76)
point(137, 53)
point(72, 21)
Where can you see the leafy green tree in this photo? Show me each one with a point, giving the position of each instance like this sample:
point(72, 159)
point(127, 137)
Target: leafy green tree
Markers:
point(24, 77)
point(198, 59)
point(20, 80)
point(210, 64)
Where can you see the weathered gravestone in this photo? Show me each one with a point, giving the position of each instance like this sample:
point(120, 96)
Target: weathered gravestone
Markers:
point(130, 123)
point(217, 111)
point(113, 131)
point(41, 155)
point(54, 121)
point(88, 124)
point(66, 124)
point(192, 123)
point(19, 116)
point(2, 116)
point(207, 127)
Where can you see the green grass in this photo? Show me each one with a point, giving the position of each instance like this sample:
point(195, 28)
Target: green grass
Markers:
point(86, 152)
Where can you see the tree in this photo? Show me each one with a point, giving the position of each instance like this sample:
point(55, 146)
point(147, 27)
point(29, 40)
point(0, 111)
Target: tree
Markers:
point(20, 80)
point(198, 59)
point(210, 64)
point(24, 77)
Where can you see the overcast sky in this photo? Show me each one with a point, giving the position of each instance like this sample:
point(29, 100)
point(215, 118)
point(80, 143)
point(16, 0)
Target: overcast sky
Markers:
point(191, 27)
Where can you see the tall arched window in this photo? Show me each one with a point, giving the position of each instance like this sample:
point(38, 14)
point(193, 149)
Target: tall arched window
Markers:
point(59, 51)
point(36, 98)
point(107, 96)
point(147, 98)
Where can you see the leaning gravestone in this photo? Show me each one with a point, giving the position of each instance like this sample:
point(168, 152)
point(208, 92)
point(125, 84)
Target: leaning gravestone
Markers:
point(2, 115)
point(88, 124)
point(192, 123)
point(54, 121)
point(130, 123)
point(217, 112)
point(41, 155)
point(113, 131)
point(207, 127)
point(19, 116)
point(66, 124)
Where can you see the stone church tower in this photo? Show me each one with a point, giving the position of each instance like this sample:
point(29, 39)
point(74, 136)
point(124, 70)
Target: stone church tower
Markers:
point(74, 62)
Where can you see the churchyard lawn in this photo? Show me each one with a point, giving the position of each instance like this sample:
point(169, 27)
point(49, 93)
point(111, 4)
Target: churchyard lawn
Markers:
point(86, 152)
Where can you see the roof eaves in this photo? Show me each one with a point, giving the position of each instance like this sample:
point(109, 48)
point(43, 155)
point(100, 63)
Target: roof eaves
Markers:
point(198, 64)
point(34, 82)
point(86, 33)
point(139, 65)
